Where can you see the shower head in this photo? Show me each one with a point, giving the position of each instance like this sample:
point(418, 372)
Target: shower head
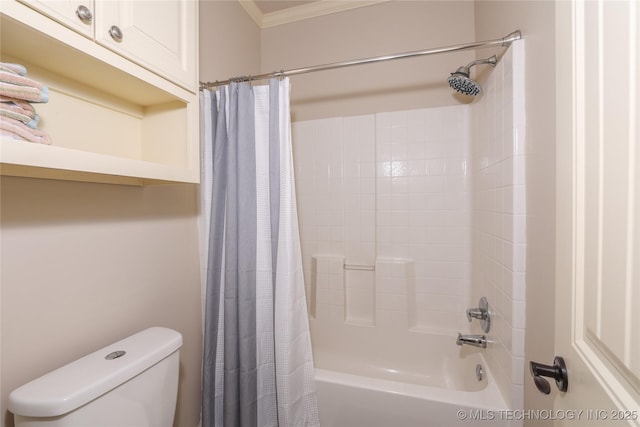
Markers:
point(461, 82)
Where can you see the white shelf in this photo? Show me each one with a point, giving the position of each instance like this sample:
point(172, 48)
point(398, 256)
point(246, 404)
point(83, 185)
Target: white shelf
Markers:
point(20, 158)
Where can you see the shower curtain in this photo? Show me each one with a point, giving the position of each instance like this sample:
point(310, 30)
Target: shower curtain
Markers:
point(257, 365)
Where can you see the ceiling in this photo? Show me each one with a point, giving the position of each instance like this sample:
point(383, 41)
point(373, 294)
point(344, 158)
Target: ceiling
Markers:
point(269, 13)
point(270, 6)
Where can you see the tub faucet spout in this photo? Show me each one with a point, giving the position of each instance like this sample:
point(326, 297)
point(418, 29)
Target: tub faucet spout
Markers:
point(474, 340)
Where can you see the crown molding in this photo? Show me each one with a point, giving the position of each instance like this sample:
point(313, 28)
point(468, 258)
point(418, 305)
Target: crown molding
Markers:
point(253, 11)
point(299, 13)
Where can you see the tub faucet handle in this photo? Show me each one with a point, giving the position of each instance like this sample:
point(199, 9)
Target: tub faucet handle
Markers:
point(482, 313)
point(476, 313)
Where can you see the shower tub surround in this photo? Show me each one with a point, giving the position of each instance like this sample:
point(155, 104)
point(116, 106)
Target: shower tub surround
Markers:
point(384, 200)
point(406, 218)
point(499, 213)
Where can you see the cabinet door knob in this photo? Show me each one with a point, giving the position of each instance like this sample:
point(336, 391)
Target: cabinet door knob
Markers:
point(116, 33)
point(84, 14)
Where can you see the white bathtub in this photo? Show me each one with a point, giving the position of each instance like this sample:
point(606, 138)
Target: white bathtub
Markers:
point(426, 384)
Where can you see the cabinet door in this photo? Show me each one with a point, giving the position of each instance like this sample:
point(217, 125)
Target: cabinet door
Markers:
point(75, 14)
point(160, 35)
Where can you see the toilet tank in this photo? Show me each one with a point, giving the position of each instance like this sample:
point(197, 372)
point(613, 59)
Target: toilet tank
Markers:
point(133, 382)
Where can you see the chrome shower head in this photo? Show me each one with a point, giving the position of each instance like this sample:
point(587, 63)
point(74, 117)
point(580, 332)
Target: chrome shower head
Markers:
point(461, 82)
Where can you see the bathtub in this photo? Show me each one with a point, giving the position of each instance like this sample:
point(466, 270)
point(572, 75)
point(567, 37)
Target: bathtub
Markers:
point(431, 382)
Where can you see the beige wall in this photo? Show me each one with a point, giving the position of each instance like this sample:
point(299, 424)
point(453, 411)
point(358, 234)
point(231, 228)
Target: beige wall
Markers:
point(381, 29)
point(84, 265)
point(536, 20)
point(229, 41)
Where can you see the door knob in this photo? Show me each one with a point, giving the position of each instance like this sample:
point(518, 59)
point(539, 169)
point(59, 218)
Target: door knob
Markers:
point(557, 371)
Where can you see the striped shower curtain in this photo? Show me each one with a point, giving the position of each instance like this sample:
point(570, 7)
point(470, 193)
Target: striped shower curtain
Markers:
point(258, 366)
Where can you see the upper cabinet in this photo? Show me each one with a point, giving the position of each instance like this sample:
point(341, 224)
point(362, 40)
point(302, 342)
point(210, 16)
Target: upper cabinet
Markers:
point(157, 34)
point(123, 91)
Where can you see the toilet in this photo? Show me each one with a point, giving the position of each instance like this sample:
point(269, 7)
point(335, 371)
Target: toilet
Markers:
point(131, 383)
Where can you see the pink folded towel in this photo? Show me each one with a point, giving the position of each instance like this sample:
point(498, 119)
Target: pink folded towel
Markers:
point(18, 118)
point(17, 130)
point(21, 87)
point(26, 93)
point(14, 68)
point(19, 110)
point(16, 79)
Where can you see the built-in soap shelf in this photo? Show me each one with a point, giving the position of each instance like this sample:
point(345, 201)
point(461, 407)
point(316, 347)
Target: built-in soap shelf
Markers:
point(327, 287)
point(379, 294)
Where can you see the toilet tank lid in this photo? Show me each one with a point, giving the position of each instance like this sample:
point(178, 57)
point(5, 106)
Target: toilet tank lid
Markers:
point(91, 376)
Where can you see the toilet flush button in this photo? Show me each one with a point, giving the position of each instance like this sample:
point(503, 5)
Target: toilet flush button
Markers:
point(115, 355)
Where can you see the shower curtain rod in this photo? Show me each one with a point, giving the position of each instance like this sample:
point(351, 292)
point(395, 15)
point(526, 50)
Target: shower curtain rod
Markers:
point(505, 41)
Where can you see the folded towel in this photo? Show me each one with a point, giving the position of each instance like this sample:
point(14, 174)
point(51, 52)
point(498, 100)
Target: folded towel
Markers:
point(18, 118)
point(16, 79)
point(19, 110)
point(25, 93)
point(25, 106)
point(13, 83)
point(13, 68)
point(20, 87)
point(17, 130)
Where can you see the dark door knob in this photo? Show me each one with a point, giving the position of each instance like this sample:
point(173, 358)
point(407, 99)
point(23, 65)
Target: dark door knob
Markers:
point(557, 371)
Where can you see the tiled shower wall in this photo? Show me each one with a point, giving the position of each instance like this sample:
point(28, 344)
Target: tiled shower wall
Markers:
point(499, 217)
point(389, 194)
point(423, 210)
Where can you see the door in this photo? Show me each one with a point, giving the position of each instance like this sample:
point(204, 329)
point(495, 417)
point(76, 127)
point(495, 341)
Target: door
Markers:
point(598, 210)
